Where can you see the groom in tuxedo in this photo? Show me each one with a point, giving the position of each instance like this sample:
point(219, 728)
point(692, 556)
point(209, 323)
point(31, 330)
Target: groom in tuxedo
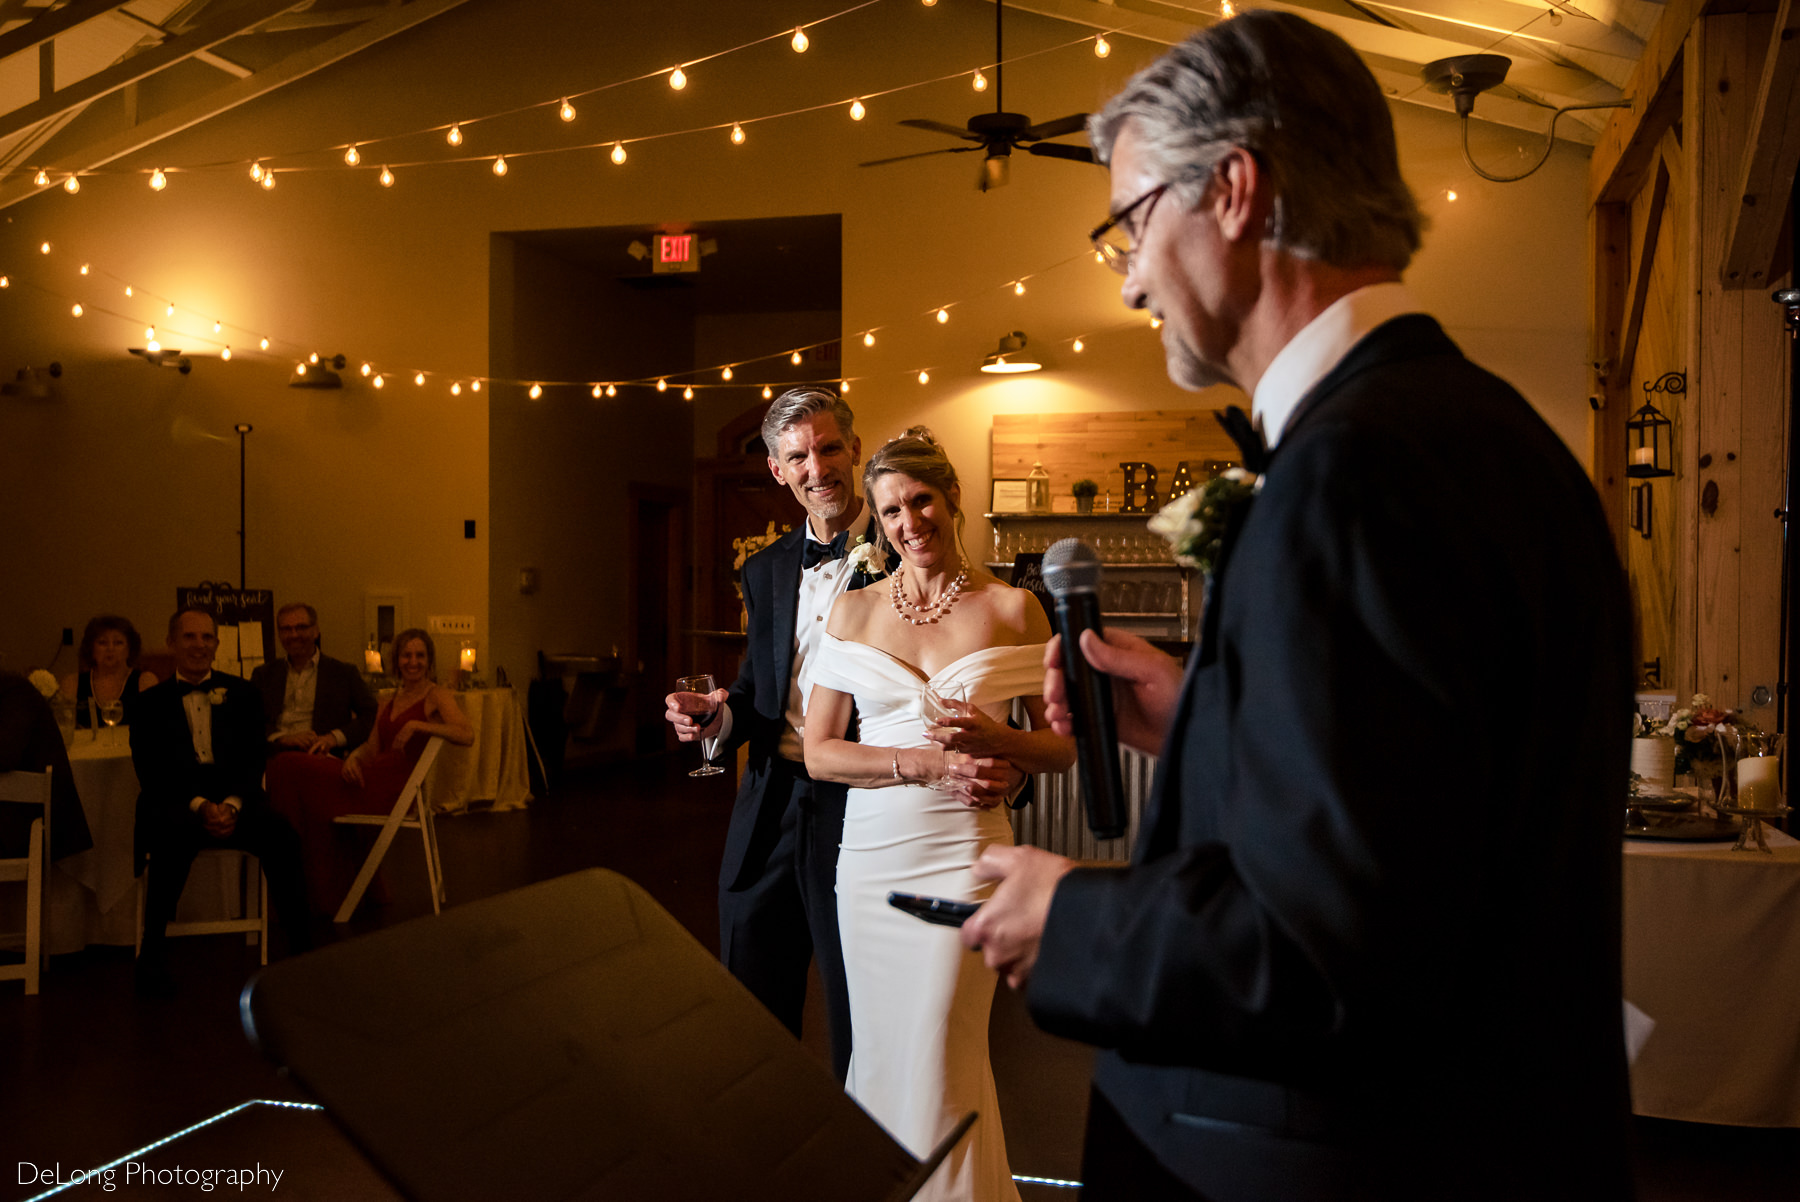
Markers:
point(197, 745)
point(1368, 945)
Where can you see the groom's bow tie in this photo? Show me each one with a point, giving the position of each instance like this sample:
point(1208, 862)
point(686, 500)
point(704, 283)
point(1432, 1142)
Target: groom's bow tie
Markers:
point(814, 553)
point(183, 688)
point(1249, 439)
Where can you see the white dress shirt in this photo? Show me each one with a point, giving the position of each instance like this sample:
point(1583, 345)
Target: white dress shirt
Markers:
point(1318, 347)
point(197, 705)
point(298, 700)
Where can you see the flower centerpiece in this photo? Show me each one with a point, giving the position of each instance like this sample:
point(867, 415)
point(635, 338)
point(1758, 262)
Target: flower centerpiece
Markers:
point(43, 682)
point(1194, 523)
point(1706, 739)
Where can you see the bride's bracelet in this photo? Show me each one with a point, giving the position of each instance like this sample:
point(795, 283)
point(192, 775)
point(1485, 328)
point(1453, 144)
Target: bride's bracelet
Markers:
point(897, 775)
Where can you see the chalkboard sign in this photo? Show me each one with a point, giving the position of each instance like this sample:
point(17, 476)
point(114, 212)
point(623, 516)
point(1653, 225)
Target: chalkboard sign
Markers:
point(246, 618)
point(1028, 574)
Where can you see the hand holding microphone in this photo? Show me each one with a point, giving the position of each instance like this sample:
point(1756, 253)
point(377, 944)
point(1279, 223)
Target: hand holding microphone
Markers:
point(1072, 574)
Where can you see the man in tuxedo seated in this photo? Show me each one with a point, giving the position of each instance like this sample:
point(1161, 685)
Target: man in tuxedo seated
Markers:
point(197, 744)
point(1368, 946)
point(311, 702)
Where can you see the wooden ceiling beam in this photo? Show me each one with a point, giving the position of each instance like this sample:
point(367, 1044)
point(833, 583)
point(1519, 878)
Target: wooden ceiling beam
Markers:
point(395, 20)
point(1628, 145)
point(1771, 155)
point(57, 21)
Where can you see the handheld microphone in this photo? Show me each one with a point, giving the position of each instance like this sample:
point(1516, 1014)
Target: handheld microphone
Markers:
point(1072, 574)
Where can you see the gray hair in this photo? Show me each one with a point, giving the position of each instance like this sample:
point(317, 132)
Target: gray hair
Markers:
point(312, 615)
point(796, 405)
point(1300, 100)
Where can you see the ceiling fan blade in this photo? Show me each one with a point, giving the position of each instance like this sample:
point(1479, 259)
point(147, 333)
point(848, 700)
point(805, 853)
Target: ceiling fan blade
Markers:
point(900, 158)
point(938, 127)
point(1057, 150)
point(996, 169)
point(1074, 123)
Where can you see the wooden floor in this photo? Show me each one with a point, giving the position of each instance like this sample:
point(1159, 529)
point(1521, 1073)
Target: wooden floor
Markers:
point(88, 1072)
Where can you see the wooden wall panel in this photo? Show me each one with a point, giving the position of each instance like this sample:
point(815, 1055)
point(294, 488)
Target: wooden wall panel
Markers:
point(1076, 446)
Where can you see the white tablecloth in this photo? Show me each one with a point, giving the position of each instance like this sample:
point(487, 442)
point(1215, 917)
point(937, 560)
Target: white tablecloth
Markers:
point(493, 767)
point(1712, 954)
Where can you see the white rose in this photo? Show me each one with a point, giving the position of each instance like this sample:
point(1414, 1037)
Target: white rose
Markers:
point(43, 682)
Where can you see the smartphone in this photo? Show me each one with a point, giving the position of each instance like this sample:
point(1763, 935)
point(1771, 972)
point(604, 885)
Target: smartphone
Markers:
point(940, 910)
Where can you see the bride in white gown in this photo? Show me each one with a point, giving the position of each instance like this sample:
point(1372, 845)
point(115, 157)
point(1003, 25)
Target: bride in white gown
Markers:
point(923, 804)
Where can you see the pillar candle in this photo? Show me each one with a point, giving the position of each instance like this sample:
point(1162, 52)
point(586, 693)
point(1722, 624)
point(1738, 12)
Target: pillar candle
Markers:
point(1758, 788)
point(1644, 455)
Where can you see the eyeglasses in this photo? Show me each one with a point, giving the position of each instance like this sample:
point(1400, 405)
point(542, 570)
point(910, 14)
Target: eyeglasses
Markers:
point(293, 629)
point(1113, 237)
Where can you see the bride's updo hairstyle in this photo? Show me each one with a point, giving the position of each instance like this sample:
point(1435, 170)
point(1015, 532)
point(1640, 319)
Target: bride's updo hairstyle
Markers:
point(914, 453)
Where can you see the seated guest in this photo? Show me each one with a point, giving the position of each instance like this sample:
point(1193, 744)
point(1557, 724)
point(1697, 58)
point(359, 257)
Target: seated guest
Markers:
point(197, 745)
point(31, 742)
point(314, 790)
point(311, 702)
point(108, 658)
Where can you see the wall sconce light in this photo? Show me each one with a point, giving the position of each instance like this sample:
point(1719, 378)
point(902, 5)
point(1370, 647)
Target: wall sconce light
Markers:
point(162, 356)
point(1466, 76)
point(323, 373)
point(1645, 432)
point(38, 383)
point(1011, 357)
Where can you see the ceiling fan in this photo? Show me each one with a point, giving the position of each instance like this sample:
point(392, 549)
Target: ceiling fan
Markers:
point(999, 133)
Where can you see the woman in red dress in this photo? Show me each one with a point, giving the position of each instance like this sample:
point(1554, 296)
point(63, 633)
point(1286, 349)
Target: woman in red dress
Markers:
point(315, 789)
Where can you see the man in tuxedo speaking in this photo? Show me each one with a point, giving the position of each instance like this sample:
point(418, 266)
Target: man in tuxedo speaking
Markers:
point(311, 702)
point(197, 745)
point(1368, 945)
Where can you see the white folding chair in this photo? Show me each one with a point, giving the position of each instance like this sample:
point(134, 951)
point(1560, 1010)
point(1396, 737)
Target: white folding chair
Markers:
point(412, 811)
point(33, 868)
point(252, 890)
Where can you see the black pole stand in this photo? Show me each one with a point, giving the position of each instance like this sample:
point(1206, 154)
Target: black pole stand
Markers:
point(1789, 299)
point(243, 428)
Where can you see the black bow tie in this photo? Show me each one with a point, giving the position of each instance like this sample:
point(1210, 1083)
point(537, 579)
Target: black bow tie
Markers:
point(1249, 439)
point(184, 688)
point(813, 553)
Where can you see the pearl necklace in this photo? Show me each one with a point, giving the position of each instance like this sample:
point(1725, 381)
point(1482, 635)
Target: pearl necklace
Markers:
point(937, 609)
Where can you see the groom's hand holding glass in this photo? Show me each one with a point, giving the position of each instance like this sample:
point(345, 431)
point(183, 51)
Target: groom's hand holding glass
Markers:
point(696, 715)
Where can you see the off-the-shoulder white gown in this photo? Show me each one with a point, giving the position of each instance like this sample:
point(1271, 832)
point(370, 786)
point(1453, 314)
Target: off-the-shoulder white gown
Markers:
point(918, 1001)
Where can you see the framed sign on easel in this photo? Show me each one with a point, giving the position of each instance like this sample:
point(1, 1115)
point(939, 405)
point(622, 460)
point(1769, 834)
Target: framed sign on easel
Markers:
point(246, 619)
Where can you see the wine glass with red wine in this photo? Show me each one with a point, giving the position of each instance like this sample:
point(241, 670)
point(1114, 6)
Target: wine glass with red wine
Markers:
point(702, 686)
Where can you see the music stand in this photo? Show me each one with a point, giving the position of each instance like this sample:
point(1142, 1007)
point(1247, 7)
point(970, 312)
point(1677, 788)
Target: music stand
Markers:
point(568, 1040)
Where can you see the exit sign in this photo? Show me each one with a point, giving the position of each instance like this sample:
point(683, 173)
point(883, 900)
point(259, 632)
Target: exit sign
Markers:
point(676, 252)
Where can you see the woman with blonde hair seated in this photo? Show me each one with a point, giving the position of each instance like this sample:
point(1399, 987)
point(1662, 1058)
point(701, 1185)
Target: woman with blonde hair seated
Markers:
point(310, 791)
point(918, 1001)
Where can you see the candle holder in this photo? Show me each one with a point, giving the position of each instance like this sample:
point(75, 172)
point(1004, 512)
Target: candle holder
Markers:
point(1751, 838)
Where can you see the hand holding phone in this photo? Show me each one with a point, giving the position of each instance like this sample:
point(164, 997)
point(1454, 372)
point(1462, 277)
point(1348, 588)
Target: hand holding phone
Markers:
point(940, 910)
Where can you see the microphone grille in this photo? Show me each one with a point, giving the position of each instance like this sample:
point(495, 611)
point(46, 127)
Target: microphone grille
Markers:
point(1071, 566)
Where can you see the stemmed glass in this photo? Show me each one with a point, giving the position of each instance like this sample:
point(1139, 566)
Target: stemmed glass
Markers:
point(112, 713)
point(939, 703)
point(702, 686)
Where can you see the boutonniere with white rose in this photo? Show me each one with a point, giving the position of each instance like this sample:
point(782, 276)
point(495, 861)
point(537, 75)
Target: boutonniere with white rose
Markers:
point(43, 682)
point(1194, 524)
point(215, 697)
point(865, 557)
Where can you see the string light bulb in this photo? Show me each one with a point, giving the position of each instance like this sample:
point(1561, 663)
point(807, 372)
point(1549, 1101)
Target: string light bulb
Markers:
point(256, 172)
point(857, 111)
point(41, 178)
point(618, 152)
point(1099, 258)
point(379, 382)
point(264, 344)
point(1450, 195)
point(596, 392)
point(150, 333)
point(980, 82)
point(924, 377)
point(1079, 346)
point(76, 309)
point(1156, 323)
point(794, 358)
point(726, 374)
point(225, 354)
point(419, 379)
point(351, 156)
point(84, 269)
point(44, 249)
point(1226, 9)
point(300, 369)
point(1102, 47)
point(567, 111)
point(869, 338)
point(800, 43)
point(128, 290)
point(474, 385)
point(737, 134)
point(169, 311)
point(687, 394)
point(72, 185)
point(662, 386)
point(158, 181)
point(217, 326)
point(456, 388)
point(767, 392)
point(678, 79)
point(366, 369)
point(843, 386)
point(1019, 288)
point(454, 137)
point(611, 391)
point(5, 282)
point(499, 164)
point(943, 316)
point(387, 177)
point(268, 180)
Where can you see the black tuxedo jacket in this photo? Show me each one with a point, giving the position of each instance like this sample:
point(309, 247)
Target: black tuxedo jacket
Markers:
point(341, 699)
point(170, 776)
point(1369, 944)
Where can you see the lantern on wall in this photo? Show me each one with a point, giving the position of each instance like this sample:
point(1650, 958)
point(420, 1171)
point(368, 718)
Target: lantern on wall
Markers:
point(1648, 433)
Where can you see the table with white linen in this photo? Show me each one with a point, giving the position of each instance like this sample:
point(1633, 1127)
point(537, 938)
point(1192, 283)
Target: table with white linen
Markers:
point(1712, 954)
point(490, 769)
point(93, 895)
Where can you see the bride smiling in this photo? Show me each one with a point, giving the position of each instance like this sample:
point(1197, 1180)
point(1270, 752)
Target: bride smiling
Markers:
point(918, 812)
